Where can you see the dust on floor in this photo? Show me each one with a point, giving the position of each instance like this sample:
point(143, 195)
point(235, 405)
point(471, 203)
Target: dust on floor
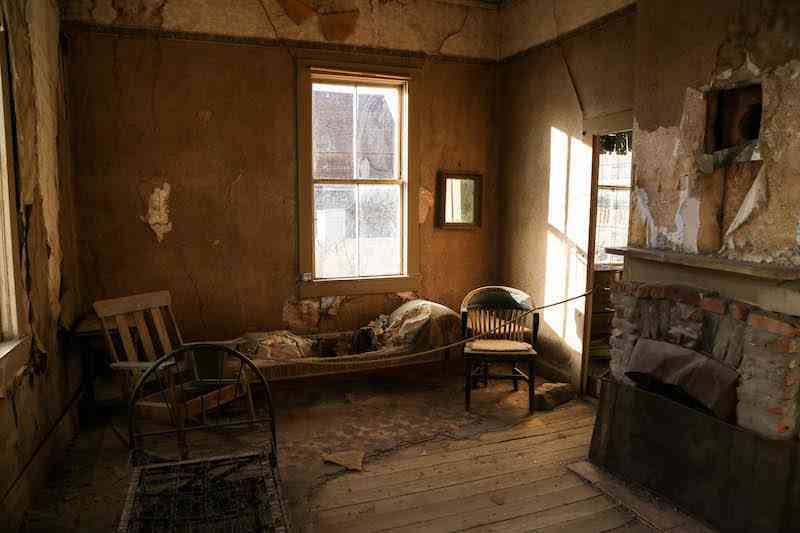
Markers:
point(377, 414)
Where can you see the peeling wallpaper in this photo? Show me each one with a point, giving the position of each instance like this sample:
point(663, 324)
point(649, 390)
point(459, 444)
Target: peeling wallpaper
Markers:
point(43, 387)
point(674, 206)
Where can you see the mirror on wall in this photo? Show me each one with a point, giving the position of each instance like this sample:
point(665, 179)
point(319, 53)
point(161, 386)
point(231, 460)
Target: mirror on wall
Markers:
point(458, 197)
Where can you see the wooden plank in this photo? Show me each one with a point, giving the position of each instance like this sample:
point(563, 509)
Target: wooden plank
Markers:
point(125, 335)
point(772, 474)
point(474, 452)
point(161, 330)
point(708, 262)
point(598, 450)
point(144, 335)
point(366, 481)
point(453, 474)
point(656, 512)
point(439, 510)
point(129, 304)
point(553, 516)
point(499, 518)
point(466, 489)
point(595, 523)
point(634, 527)
point(532, 427)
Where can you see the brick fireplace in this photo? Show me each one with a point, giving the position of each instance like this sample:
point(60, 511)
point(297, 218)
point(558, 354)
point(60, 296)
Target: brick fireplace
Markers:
point(763, 347)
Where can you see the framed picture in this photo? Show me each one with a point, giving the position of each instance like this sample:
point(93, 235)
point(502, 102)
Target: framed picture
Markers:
point(458, 199)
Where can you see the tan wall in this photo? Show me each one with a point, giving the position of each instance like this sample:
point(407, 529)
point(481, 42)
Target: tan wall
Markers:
point(527, 23)
point(215, 121)
point(38, 386)
point(544, 252)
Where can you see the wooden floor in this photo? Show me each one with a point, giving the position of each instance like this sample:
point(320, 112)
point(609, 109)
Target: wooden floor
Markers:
point(514, 480)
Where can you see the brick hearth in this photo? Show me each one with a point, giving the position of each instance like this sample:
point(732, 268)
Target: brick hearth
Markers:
point(764, 347)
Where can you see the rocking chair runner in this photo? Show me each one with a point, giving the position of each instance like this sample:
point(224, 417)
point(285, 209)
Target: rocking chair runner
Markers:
point(497, 313)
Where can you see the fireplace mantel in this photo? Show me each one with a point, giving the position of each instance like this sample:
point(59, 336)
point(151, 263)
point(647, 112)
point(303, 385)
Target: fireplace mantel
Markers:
point(709, 262)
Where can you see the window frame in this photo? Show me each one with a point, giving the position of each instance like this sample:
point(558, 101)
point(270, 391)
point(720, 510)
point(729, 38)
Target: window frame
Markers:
point(10, 279)
point(406, 74)
point(14, 347)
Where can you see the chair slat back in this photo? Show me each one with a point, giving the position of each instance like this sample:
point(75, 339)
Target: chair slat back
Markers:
point(135, 328)
point(497, 312)
point(498, 323)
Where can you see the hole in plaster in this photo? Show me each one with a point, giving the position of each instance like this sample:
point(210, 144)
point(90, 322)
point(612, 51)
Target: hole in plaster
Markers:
point(733, 117)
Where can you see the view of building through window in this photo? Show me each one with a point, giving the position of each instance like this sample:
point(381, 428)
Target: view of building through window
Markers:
point(613, 195)
point(358, 185)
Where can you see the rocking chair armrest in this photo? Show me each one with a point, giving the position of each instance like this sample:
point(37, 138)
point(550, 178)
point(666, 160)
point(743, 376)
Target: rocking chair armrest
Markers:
point(132, 365)
point(228, 342)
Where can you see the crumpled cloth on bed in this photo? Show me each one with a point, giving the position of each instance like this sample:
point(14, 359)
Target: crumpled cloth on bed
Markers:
point(278, 345)
point(414, 326)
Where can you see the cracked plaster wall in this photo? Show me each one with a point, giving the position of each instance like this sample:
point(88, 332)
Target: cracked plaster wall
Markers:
point(527, 23)
point(216, 122)
point(38, 386)
point(422, 25)
point(683, 50)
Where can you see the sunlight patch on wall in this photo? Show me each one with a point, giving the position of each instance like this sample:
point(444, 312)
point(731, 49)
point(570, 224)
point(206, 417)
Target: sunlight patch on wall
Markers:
point(579, 196)
point(568, 234)
point(557, 184)
point(555, 281)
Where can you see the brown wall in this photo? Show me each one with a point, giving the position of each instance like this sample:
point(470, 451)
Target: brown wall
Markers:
point(216, 121)
point(40, 379)
point(538, 97)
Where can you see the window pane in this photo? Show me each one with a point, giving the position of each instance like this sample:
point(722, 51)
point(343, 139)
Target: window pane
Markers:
point(612, 223)
point(615, 169)
point(332, 130)
point(335, 231)
point(379, 230)
point(377, 132)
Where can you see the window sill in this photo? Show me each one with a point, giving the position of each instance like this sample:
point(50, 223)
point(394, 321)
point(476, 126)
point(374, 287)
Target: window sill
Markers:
point(13, 357)
point(346, 287)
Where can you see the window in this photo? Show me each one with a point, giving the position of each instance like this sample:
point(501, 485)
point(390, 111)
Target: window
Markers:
point(356, 181)
point(9, 255)
point(613, 195)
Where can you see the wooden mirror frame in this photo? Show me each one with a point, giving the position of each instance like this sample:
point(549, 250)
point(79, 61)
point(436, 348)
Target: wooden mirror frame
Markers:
point(441, 182)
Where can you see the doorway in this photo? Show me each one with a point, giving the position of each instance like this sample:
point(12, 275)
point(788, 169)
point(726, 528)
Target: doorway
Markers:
point(612, 166)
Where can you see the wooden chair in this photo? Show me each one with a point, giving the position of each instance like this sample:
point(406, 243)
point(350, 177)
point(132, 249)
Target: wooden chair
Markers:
point(508, 336)
point(139, 329)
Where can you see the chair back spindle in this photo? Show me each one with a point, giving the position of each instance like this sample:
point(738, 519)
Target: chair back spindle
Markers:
point(139, 328)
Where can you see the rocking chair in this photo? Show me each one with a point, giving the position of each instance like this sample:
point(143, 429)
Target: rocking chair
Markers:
point(139, 329)
point(507, 336)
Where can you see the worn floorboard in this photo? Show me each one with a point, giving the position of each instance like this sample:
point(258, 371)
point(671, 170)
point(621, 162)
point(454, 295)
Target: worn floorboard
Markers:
point(512, 480)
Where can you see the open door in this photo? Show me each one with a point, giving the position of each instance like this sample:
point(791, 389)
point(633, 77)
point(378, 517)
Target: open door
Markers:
point(612, 158)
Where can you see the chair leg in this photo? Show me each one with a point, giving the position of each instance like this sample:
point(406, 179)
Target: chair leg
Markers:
point(516, 381)
point(531, 386)
point(467, 382)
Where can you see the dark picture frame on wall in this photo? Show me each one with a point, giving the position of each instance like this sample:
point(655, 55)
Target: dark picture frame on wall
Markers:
point(459, 199)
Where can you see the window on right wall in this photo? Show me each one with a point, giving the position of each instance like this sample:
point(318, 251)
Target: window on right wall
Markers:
point(9, 247)
point(614, 168)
